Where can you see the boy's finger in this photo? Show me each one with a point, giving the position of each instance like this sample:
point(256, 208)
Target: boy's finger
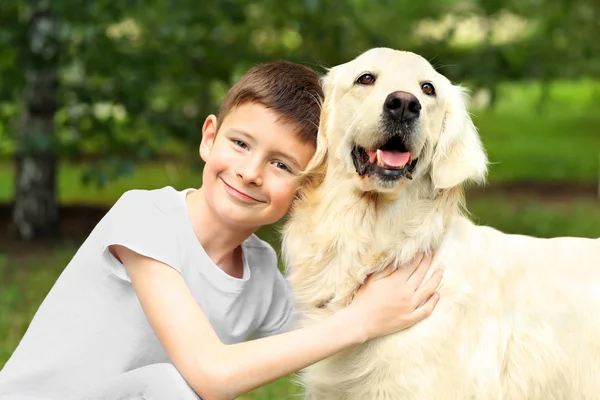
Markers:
point(426, 309)
point(417, 277)
point(428, 288)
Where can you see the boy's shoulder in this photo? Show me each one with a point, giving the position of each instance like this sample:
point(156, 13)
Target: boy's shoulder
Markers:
point(254, 243)
point(147, 209)
point(261, 254)
point(167, 192)
point(164, 199)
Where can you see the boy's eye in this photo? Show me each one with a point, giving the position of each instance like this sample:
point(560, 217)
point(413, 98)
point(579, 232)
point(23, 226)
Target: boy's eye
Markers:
point(241, 144)
point(282, 166)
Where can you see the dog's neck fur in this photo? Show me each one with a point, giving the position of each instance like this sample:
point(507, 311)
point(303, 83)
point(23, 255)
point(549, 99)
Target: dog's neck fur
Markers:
point(346, 238)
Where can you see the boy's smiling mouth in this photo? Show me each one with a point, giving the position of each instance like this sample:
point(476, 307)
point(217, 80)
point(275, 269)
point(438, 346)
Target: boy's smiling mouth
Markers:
point(240, 195)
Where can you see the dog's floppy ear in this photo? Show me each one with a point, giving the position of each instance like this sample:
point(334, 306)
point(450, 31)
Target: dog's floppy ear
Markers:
point(316, 168)
point(459, 155)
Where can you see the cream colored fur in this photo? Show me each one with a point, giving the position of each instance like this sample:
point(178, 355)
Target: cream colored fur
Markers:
point(519, 317)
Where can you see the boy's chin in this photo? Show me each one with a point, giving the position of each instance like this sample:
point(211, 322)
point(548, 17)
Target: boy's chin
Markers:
point(251, 217)
point(252, 222)
point(246, 220)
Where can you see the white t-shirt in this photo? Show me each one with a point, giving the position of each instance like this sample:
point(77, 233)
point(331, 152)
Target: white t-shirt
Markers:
point(91, 326)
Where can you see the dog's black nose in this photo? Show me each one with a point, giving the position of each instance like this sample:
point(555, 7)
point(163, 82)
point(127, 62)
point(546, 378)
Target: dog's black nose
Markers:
point(402, 105)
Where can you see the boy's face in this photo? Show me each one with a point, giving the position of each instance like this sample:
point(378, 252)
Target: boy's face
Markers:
point(251, 172)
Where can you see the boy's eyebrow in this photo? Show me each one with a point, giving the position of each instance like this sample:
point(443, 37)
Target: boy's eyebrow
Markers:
point(246, 135)
point(291, 159)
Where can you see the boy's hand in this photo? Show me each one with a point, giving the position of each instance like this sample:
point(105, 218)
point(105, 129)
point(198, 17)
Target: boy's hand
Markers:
point(397, 301)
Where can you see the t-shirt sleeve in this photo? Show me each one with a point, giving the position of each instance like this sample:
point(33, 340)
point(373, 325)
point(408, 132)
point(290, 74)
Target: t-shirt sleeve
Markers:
point(281, 315)
point(140, 222)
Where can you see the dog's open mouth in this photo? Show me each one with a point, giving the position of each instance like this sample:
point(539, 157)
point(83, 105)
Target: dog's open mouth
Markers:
point(390, 161)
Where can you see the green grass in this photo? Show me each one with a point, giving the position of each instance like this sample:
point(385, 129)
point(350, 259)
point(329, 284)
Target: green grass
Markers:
point(556, 147)
point(533, 217)
point(72, 190)
point(562, 143)
point(572, 97)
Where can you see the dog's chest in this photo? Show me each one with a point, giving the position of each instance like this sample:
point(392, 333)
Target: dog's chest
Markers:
point(334, 263)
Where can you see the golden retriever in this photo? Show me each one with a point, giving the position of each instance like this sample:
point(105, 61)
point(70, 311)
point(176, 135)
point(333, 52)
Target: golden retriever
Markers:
point(518, 318)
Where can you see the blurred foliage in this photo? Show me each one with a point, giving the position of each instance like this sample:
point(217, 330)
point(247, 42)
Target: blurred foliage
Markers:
point(138, 78)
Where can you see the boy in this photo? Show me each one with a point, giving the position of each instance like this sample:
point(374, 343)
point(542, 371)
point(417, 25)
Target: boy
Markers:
point(159, 300)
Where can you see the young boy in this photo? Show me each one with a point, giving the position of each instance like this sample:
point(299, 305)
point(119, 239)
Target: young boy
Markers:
point(160, 299)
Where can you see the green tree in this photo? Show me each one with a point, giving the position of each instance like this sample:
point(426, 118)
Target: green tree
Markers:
point(125, 76)
point(35, 212)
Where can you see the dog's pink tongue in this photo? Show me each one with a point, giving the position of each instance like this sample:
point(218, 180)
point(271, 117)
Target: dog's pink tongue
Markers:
point(393, 159)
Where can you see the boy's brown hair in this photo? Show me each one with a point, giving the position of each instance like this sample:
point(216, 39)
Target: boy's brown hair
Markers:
point(293, 90)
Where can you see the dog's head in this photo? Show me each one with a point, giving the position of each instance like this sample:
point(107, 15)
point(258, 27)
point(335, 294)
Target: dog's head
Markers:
point(389, 117)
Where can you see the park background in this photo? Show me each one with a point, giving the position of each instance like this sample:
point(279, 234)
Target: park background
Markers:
point(98, 97)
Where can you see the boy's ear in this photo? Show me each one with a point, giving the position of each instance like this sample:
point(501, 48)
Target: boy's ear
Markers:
point(209, 131)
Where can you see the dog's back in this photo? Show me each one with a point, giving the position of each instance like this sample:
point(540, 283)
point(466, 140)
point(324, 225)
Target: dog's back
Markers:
point(518, 319)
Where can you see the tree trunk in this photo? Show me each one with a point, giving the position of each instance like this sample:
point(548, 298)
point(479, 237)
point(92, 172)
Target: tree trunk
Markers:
point(35, 212)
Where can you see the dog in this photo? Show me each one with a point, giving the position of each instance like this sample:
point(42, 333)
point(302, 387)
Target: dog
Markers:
point(518, 316)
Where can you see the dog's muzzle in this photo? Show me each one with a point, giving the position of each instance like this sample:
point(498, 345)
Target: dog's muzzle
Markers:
point(391, 159)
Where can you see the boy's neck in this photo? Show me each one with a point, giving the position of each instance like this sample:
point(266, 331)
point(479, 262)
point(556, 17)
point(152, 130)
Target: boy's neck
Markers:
point(220, 241)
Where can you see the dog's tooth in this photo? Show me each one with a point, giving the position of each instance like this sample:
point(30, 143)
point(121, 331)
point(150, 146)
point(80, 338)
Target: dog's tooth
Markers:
point(379, 160)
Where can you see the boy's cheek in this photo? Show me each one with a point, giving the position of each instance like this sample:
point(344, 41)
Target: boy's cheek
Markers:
point(219, 161)
point(290, 195)
point(292, 188)
point(281, 191)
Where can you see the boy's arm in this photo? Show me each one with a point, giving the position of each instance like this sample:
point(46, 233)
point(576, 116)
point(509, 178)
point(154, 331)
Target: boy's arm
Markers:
point(218, 371)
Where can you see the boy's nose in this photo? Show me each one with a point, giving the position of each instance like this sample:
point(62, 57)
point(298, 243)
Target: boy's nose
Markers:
point(250, 173)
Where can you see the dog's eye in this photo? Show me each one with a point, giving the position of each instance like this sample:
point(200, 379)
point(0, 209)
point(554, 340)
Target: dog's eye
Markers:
point(428, 89)
point(366, 79)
